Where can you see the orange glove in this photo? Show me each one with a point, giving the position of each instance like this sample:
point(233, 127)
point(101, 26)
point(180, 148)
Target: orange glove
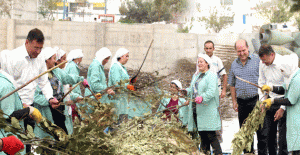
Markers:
point(130, 87)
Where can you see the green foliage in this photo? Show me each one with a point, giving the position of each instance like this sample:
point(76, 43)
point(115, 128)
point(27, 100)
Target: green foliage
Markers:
point(278, 12)
point(148, 11)
point(244, 138)
point(185, 29)
point(296, 6)
point(218, 19)
point(47, 7)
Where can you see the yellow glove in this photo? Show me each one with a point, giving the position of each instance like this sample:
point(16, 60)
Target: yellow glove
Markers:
point(98, 95)
point(268, 102)
point(36, 114)
point(266, 88)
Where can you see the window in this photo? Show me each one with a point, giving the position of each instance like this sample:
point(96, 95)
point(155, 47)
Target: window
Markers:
point(226, 2)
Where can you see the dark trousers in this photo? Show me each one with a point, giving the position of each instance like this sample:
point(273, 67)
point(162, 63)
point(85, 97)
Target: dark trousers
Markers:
point(245, 107)
point(31, 122)
point(269, 133)
point(209, 138)
point(282, 136)
point(59, 117)
point(295, 152)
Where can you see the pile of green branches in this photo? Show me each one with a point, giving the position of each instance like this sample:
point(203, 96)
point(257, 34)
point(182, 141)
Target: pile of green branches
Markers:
point(243, 139)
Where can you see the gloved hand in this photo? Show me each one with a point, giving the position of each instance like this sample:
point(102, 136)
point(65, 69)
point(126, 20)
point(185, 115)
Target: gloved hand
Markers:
point(11, 145)
point(35, 113)
point(133, 80)
point(85, 83)
point(130, 87)
point(99, 96)
point(199, 99)
point(53, 101)
point(268, 102)
point(266, 88)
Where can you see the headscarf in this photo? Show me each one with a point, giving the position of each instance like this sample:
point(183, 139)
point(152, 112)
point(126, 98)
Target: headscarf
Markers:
point(120, 52)
point(102, 54)
point(59, 52)
point(48, 52)
point(177, 83)
point(74, 54)
point(289, 72)
point(206, 58)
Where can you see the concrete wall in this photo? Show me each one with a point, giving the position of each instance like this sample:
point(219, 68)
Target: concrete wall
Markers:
point(168, 46)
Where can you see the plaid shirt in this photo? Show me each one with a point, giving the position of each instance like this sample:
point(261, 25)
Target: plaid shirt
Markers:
point(249, 72)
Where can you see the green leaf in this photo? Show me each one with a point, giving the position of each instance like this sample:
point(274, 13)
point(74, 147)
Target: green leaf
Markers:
point(29, 128)
point(15, 123)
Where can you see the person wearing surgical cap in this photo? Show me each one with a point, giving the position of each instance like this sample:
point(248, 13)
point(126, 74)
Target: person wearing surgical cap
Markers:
point(291, 91)
point(61, 56)
point(96, 75)
point(169, 104)
point(54, 113)
point(74, 58)
point(203, 113)
point(118, 72)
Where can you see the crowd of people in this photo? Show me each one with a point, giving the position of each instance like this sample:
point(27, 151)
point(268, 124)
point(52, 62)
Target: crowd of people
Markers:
point(196, 106)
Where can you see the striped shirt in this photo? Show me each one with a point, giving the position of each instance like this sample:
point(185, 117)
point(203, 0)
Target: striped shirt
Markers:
point(249, 72)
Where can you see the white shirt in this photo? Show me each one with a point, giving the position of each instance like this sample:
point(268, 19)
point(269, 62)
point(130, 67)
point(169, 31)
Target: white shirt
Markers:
point(23, 68)
point(215, 67)
point(272, 75)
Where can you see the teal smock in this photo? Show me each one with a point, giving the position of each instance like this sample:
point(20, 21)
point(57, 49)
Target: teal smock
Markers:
point(72, 68)
point(293, 113)
point(10, 104)
point(42, 104)
point(132, 106)
point(208, 118)
point(183, 111)
point(97, 80)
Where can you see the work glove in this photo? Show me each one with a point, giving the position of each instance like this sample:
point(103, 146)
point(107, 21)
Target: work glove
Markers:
point(54, 103)
point(35, 113)
point(199, 99)
point(99, 96)
point(85, 83)
point(268, 102)
point(133, 80)
point(11, 145)
point(266, 88)
point(130, 87)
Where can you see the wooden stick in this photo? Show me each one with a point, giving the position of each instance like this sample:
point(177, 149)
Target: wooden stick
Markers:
point(248, 82)
point(93, 94)
point(70, 91)
point(2, 98)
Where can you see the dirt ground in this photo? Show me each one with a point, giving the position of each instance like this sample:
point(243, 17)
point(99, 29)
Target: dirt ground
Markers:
point(183, 72)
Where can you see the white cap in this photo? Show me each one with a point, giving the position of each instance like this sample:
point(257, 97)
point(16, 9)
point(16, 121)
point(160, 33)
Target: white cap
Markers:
point(102, 54)
point(74, 54)
point(48, 52)
point(59, 52)
point(177, 83)
point(120, 52)
point(205, 57)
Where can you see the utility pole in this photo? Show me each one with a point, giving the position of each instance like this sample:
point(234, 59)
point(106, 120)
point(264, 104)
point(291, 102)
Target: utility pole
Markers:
point(64, 10)
point(105, 7)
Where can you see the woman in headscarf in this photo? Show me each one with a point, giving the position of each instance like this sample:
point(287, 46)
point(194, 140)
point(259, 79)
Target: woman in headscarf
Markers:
point(74, 58)
point(118, 72)
point(203, 113)
point(96, 75)
point(291, 100)
point(61, 56)
point(57, 77)
point(172, 102)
